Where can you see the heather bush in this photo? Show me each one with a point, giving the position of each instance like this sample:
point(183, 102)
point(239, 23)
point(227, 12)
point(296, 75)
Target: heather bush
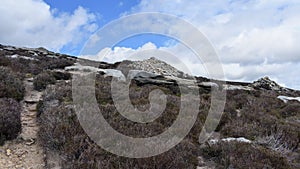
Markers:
point(255, 115)
point(246, 115)
point(4, 61)
point(43, 79)
point(61, 132)
point(54, 63)
point(10, 122)
point(61, 75)
point(265, 119)
point(11, 85)
point(291, 109)
point(243, 155)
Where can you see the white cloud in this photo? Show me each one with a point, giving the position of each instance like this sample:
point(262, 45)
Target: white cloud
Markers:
point(33, 23)
point(252, 38)
point(119, 53)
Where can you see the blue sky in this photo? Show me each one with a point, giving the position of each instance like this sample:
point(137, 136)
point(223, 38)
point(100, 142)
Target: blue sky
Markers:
point(106, 11)
point(253, 38)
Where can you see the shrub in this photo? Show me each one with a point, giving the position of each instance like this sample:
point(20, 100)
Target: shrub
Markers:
point(10, 121)
point(43, 79)
point(243, 155)
point(61, 132)
point(291, 109)
point(55, 63)
point(11, 85)
point(4, 61)
point(61, 75)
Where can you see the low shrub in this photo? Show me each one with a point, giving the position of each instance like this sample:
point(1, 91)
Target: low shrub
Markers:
point(291, 109)
point(56, 63)
point(61, 132)
point(61, 75)
point(243, 155)
point(43, 79)
point(11, 84)
point(4, 61)
point(10, 121)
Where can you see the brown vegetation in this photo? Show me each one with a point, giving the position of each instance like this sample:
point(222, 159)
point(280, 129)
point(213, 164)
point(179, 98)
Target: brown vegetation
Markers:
point(10, 121)
point(11, 85)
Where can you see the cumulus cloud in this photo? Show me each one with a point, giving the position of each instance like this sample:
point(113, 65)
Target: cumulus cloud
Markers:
point(33, 23)
point(119, 53)
point(253, 38)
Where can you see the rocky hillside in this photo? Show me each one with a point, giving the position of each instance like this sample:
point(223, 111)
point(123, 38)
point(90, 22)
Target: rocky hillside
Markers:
point(259, 128)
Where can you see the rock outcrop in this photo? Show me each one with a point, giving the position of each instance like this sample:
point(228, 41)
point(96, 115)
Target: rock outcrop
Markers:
point(267, 83)
point(153, 65)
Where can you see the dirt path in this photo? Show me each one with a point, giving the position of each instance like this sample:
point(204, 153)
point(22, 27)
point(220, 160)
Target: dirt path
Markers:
point(25, 151)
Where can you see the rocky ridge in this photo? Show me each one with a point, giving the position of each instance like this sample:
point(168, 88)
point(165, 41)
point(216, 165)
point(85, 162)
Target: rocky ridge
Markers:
point(268, 84)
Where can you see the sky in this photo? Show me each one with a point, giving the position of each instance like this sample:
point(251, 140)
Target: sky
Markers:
point(253, 38)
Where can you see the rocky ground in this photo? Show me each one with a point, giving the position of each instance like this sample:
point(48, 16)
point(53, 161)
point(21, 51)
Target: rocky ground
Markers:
point(25, 151)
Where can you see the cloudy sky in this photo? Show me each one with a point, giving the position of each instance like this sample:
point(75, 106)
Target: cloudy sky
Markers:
point(253, 38)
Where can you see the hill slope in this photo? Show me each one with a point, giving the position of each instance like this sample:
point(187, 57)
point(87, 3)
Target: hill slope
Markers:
point(259, 128)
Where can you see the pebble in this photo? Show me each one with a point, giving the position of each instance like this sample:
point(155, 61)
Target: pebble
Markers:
point(8, 152)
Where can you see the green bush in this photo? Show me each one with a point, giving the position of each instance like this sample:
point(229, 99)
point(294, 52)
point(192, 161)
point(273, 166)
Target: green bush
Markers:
point(11, 84)
point(43, 79)
point(10, 121)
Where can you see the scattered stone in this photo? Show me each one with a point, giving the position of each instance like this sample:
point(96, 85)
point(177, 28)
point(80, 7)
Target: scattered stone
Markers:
point(8, 152)
point(30, 79)
point(30, 142)
point(20, 152)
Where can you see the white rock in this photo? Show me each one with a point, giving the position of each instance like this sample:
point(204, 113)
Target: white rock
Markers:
point(229, 139)
point(285, 99)
point(51, 56)
point(83, 68)
point(8, 152)
point(18, 56)
point(114, 73)
point(108, 72)
point(209, 84)
point(236, 87)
